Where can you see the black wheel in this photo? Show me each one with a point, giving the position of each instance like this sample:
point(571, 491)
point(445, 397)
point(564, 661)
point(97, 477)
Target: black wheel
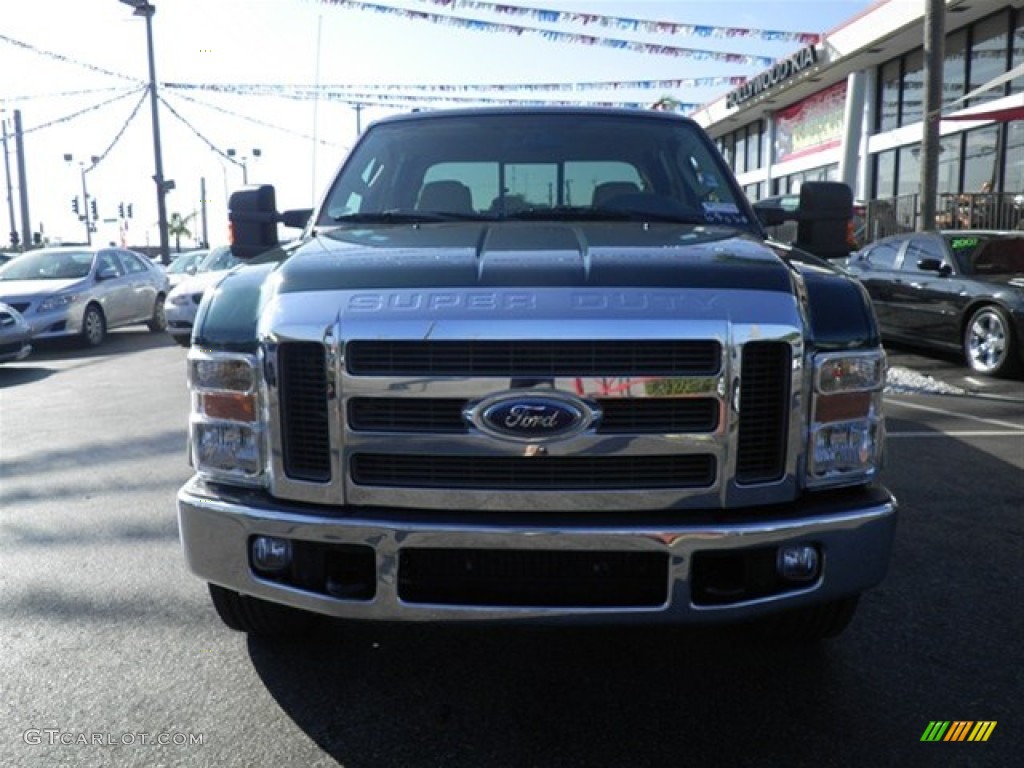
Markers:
point(813, 622)
point(258, 617)
point(158, 321)
point(989, 346)
point(94, 326)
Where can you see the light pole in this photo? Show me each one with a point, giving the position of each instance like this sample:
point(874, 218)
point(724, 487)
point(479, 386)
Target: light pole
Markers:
point(84, 215)
point(146, 10)
point(243, 162)
point(10, 191)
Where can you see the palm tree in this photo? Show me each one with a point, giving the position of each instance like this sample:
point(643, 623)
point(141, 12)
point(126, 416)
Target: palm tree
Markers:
point(177, 227)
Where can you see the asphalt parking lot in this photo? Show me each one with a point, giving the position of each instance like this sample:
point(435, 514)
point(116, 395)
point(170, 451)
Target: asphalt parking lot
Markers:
point(103, 632)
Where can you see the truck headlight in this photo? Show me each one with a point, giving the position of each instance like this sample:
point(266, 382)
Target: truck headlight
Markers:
point(846, 426)
point(225, 430)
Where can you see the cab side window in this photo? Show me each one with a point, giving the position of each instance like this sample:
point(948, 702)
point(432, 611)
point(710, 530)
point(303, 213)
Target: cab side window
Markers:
point(882, 256)
point(108, 261)
point(919, 249)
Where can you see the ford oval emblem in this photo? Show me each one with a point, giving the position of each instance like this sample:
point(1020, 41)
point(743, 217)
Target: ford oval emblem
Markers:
point(531, 417)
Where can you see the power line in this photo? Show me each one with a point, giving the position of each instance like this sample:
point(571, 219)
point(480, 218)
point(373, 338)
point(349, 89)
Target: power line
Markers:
point(65, 59)
point(79, 113)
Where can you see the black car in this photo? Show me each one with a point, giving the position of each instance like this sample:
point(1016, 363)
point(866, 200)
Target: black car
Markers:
point(950, 290)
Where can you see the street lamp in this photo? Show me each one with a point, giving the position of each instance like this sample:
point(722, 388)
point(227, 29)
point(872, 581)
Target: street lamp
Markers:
point(146, 10)
point(242, 162)
point(84, 215)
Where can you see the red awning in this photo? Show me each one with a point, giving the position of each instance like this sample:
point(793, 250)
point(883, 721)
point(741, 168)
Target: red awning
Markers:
point(1002, 115)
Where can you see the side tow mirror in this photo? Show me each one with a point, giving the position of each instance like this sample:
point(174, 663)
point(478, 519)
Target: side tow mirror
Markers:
point(253, 217)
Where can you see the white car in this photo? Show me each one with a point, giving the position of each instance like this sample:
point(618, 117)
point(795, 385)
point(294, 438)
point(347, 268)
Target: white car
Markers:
point(79, 291)
point(185, 265)
point(183, 300)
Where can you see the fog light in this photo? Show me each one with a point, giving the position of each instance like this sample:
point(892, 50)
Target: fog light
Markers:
point(271, 554)
point(798, 563)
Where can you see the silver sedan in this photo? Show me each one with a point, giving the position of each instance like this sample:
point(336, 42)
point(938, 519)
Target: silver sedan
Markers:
point(14, 335)
point(75, 291)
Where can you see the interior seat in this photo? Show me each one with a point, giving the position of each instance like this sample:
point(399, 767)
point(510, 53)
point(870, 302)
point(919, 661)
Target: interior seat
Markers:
point(611, 189)
point(445, 197)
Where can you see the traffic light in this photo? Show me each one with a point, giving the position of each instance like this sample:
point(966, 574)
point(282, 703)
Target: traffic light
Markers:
point(120, 210)
point(74, 204)
point(129, 210)
point(14, 239)
point(92, 207)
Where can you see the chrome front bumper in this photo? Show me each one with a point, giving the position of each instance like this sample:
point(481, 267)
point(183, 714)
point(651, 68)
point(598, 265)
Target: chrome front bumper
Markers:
point(853, 531)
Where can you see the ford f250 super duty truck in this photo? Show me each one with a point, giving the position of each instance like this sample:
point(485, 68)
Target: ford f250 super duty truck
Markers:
point(536, 364)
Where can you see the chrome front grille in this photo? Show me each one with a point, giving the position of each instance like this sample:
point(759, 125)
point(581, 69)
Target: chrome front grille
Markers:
point(546, 473)
point(381, 422)
point(764, 417)
point(533, 358)
point(642, 416)
point(305, 434)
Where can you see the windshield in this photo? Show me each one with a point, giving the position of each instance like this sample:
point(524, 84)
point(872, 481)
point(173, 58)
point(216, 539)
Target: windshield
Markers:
point(184, 262)
point(987, 254)
point(218, 259)
point(534, 165)
point(48, 265)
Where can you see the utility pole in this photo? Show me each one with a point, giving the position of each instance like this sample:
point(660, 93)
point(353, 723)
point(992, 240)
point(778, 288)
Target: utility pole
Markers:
point(146, 10)
point(19, 149)
point(10, 190)
point(85, 209)
point(934, 56)
point(202, 199)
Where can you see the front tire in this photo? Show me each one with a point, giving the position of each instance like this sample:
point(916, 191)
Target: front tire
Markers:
point(811, 623)
point(258, 617)
point(94, 326)
point(989, 345)
point(158, 321)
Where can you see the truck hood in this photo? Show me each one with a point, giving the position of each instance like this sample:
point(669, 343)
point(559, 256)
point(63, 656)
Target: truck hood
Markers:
point(562, 272)
point(533, 255)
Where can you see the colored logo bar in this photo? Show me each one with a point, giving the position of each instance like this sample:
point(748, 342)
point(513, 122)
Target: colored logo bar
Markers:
point(958, 730)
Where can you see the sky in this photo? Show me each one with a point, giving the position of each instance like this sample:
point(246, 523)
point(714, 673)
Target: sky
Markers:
point(241, 75)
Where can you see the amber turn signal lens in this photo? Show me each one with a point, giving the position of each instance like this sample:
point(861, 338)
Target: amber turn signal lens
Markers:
point(231, 406)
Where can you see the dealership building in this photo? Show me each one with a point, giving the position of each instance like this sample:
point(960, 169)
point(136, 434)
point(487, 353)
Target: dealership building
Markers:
point(851, 108)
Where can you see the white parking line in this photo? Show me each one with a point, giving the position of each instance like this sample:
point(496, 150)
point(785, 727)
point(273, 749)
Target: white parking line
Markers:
point(1016, 433)
point(946, 412)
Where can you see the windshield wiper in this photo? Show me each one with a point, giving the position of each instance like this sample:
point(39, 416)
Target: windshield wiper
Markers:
point(404, 217)
point(570, 213)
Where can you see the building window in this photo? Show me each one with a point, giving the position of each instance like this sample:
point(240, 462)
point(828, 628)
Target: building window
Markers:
point(754, 142)
point(885, 174)
point(1017, 53)
point(1013, 174)
point(988, 56)
point(889, 96)
point(949, 165)
point(954, 69)
point(912, 101)
point(909, 181)
point(740, 165)
point(980, 147)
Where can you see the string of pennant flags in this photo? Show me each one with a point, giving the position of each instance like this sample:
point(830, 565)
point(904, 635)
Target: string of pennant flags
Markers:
point(401, 95)
point(467, 88)
point(553, 35)
point(400, 99)
point(66, 59)
point(621, 23)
